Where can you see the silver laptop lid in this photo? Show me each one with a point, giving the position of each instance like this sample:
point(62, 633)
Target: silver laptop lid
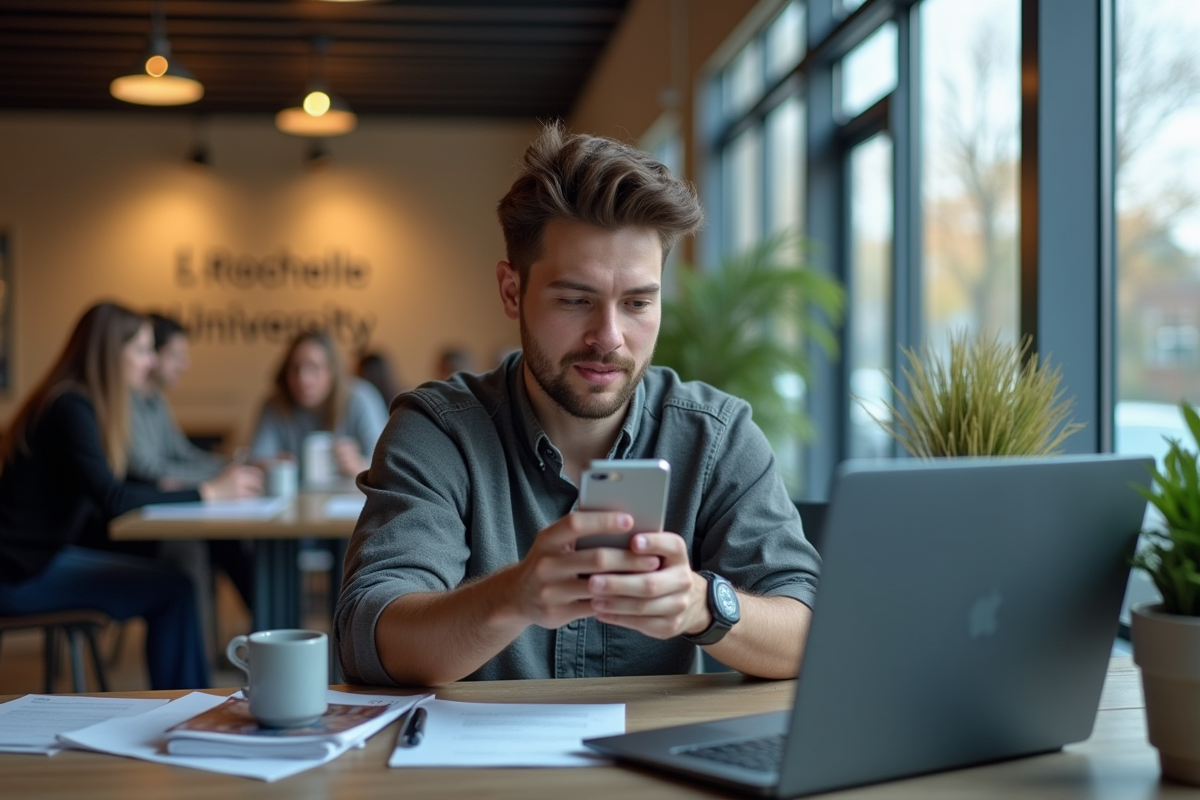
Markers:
point(966, 613)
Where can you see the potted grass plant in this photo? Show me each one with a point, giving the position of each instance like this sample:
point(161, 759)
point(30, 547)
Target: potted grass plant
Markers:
point(1166, 634)
point(741, 327)
point(986, 397)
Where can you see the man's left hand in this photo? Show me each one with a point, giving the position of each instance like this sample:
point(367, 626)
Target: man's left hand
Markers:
point(668, 602)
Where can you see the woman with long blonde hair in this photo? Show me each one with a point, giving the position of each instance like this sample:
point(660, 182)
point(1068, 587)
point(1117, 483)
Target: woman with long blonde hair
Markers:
point(63, 460)
point(313, 393)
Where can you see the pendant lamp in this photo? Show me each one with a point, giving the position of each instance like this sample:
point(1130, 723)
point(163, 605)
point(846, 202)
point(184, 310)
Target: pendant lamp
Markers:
point(156, 79)
point(320, 113)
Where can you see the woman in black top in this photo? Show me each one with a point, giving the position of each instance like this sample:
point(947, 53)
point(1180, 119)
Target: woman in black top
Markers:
point(62, 459)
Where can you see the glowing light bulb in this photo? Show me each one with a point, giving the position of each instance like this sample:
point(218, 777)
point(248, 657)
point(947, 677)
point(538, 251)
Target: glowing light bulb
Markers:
point(156, 66)
point(317, 103)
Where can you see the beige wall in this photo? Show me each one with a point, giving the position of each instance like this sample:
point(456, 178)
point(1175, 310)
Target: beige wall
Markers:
point(625, 93)
point(106, 206)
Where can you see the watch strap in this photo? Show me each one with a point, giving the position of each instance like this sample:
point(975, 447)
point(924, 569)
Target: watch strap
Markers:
point(719, 626)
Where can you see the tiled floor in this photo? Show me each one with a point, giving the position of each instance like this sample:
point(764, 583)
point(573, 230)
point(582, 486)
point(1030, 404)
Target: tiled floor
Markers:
point(21, 669)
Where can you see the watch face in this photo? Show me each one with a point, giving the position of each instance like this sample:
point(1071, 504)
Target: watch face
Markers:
point(727, 601)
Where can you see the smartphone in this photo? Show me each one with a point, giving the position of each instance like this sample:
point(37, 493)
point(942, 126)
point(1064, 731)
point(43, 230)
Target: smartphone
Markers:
point(637, 486)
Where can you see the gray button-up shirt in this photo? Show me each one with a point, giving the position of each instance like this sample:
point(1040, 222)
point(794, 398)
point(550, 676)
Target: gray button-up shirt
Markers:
point(464, 478)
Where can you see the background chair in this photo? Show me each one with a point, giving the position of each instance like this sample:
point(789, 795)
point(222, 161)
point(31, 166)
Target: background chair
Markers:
point(77, 625)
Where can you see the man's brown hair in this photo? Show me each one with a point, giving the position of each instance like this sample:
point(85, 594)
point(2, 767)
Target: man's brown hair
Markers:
point(596, 181)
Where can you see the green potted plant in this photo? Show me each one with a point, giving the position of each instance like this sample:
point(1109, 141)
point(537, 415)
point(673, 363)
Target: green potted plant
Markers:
point(988, 397)
point(741, 326)
point(1166, 634)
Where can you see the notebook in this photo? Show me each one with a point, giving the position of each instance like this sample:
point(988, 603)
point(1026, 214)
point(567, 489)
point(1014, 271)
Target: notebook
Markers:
point(966, 614)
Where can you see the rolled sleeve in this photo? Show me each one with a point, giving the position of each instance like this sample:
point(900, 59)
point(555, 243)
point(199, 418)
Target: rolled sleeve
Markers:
point(749, 530)
point(410, 537)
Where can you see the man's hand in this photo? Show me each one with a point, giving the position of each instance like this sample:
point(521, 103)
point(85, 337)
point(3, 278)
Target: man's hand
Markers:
point(551, 585)
point(475, 621)
point(664, 603)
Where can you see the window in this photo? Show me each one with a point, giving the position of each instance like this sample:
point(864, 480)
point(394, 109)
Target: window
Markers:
point(870, 289)
point(868, 73)
point(970, 156)
point(1158, 220)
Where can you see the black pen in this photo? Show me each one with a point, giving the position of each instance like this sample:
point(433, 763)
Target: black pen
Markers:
point(414, 728)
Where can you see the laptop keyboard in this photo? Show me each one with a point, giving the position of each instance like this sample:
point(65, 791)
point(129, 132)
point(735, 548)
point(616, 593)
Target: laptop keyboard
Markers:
point(764, 754)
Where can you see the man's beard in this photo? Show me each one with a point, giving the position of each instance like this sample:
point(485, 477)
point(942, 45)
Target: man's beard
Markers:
point(555, 381)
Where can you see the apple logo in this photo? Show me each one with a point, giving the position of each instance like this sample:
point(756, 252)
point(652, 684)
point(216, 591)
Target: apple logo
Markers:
point(984, 618)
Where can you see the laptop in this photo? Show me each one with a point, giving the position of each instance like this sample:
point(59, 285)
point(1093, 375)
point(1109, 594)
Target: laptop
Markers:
point(966, 614)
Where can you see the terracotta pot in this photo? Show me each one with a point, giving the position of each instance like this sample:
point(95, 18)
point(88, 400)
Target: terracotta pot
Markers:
point(1167, 649)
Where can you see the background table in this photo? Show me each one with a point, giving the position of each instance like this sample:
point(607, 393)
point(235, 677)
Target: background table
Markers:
point(1116, 762)
point(277, 602)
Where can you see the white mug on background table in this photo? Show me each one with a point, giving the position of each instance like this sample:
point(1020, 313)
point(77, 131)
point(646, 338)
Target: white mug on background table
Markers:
point(287, 674)
point(283, 477)
point(320, 468)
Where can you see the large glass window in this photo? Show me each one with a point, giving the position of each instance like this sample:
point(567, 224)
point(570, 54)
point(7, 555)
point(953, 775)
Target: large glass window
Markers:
point(1158, 220)
point(970, 155)
point(868, 72)
point(785, 175)
point(870, 285)
point(756, 171)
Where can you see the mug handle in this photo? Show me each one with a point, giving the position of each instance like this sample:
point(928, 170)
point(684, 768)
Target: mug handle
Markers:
point(239, 662)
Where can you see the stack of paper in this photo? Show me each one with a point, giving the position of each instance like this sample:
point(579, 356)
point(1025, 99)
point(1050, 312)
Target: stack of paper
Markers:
point(230, 730)
point(251, 508)
point(145, 736)
point(32, 724)
point(345, 506)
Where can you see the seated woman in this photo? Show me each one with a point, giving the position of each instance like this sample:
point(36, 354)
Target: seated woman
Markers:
point(313, 394)
point(63, 458)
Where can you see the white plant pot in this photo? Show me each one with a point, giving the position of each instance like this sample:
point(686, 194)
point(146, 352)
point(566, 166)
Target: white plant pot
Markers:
point(1167, 649)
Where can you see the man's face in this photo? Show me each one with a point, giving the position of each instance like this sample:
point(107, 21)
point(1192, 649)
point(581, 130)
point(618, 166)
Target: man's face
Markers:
point(589, 314)
point(173, 360)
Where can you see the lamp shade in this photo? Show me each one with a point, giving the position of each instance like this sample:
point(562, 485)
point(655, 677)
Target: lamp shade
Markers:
point(157, 80)
point(320, 113)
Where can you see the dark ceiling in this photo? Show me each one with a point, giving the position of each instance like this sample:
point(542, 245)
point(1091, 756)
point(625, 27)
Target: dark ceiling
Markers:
point(505, 58)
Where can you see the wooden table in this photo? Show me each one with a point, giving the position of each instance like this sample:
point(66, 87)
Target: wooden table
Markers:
point(1116, 762)
point(277, 602)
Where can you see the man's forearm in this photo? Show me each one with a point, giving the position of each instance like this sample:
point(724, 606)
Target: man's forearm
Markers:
point(769, 640)
point(426, 639)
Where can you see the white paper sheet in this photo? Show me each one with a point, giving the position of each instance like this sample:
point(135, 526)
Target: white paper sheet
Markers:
point(143, 736)
point(249, 508)
point(510, 735)
point(345, 506)
point(31, 724)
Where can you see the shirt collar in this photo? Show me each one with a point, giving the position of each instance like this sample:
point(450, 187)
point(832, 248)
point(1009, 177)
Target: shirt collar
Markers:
point(535, 436)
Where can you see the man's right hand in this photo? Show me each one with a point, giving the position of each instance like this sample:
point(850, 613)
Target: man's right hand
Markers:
point(549, 587)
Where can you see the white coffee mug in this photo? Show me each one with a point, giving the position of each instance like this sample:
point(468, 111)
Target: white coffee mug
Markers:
point(287, 673)
point(283, 477)
point(319, 465)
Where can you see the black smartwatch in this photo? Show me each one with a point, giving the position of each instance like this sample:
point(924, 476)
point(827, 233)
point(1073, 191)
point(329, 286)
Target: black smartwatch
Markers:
point(722, 605)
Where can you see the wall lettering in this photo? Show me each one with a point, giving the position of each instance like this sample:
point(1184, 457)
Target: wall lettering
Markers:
point(221, 267)
point(234, 325)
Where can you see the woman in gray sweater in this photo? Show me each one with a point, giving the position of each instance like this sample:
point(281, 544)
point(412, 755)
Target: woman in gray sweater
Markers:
point(313, 394)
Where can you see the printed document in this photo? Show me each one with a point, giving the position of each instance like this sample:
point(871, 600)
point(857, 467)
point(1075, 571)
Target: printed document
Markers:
point(510, 735)
point(31, 724)
point(345, 506)
point(248, 508)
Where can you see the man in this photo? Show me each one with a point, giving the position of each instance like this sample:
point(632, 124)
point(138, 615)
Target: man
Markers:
point(161, 454)
point(463, 564)
point(158, 451)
